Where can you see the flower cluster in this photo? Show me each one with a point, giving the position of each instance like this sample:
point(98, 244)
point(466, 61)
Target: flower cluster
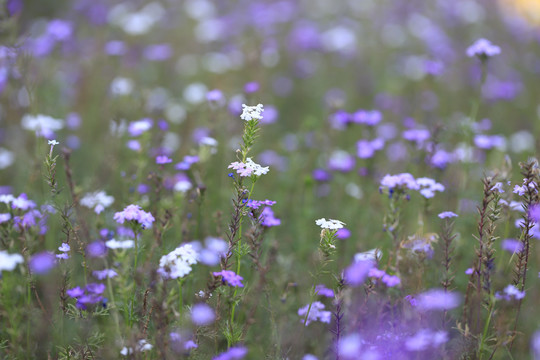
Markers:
point(316, 313)
point(329, 224)
point(177, 263)
point(98, 201)
point(248, 168)
point(388, 280)
point(234, 353)
point(510, 293)
point(251, 112)
point(64, 249)
point(230, 278)
point(425, 186)
point(91, 294)
point(483, 48)
point(9, 261)
point(136, 214)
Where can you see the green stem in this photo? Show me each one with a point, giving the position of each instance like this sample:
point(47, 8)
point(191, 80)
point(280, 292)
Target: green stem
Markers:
point(486, 329)
point(180, 298)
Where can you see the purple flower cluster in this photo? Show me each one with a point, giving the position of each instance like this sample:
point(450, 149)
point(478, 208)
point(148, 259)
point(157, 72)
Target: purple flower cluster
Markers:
point(136, 214)
point(366, 149)
point(92, 294)
point(255, 204)
point(388, 280)
point(234, 353)
point(510, 293)
point(268, 219)
point(316, 313)
point(230, 278)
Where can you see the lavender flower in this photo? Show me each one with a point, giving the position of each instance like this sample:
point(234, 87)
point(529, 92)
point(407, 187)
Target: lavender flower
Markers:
point(230, 278)
point(202, 314)
point(447, 214)
point(483, 49)
point(316, 313)
point(511, 245)
point(322, 290)
point(357, 272)
point(437, 299)
point(42, 263)
point(98, 201)
point(104, 274)
point(136, 214)
point(510, 293)
point(425, 339)
point(163, 159)
point(248, 168)
point(268, 219)
point(234, 353)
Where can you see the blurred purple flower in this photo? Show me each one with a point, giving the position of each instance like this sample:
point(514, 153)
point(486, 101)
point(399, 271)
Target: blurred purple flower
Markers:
point(343, 234)
point(357, 272)
point(483, 49)
point(268, 219)
point(96, 249)
point(158, 52)
point(115, 48)
point(447, 214)
point(321, 175)
point(234, 353)
point(437, 299)
point(322, 290)
point(163, 159)
point(230, 278)
point(202, 314)
point(512, 245)
point(341, 161)
point(251, 87)
point(42, 263)
point(316, 313)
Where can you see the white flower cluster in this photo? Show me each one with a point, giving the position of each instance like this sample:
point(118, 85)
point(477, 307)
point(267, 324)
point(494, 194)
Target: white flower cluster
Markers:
point(9, 261)
point(43, 125)
point(251, 112)
point(142, 346)
point(124, 244)
point(329, 224)
point(249, 168)
point(98, 201)
point(177, 263)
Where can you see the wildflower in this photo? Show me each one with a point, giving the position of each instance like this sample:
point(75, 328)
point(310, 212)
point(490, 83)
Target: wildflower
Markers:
point(447, 214)
point(400, 181)
point(349, 346)
point(5, 217)
point(142, 346)
point(104, 274)
point(202, 314)
point(163, 159)
point(177, 263)
point(469, 271)
point(511, 292)
point(42, 125)
point(96, 249)
point(512, 245)
point(137, 128)
point(341, 161)
point(534, 213)
point(230, 278)
point(248, 168)
point(115, 244)
point(251, 112)
point(391, 280)
point(268, 219)
point(234, 353)
point(324, 291)
point(343, 234)
point(483, 49)
point(42, 263)
point(136, 214)
point(98, 201)
point(53, 142)
point(9, 261)
point(437, 299)
point(425, 339)
point(329, 224)
point(357, 272)
point(316, 313)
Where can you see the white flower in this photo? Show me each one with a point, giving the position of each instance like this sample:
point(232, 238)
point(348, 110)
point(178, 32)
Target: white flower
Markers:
point(9, 261)
point(251, 112)
point(6, 158)
point(53, 142)
point(177, 263)
point(256, 168)
point(182, 186)
point(115, 244)
point(43, 125)
point(144, 345)
point(98, 201)
point(122, 86)
point(330, 224)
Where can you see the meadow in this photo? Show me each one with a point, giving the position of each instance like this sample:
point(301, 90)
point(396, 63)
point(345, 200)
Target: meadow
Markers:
point(269, 179)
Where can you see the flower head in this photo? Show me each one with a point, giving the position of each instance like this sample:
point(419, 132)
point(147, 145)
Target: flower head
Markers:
point(316, 313)
point(136, 214)
point(329, 224)
point(483, 49)
point(251, 112)
point(177, 263)
point(230, 278)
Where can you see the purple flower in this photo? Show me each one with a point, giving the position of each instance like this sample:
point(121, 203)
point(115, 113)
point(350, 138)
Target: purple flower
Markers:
point(469, 271)
point(447, 214)
point(534, 213)
point(367, 117)
point(64, 247)
point(418, 136)
point(316, 313)
point(321, 175)
point(268, 219)
point(343, 233)
point(96, 249)
point(510, 293)
point(230, 278)
point(357, 272)
point(75, 292)
point(136, 214)
point(115, 48)
point(202, 314)
point(215, 96)
point(425, 339)
point(95, 288)
point(234, 353)
point(512, 245)
point(186, 163)
point(487, 142)
point(324, 291)
point(60, 30)
point(134, 145)
point(104, 274)
point(5, 217)
point(158, 52)
point(437, 299)
point(341, 161)
point(391, 280)
point(251, 87)
point(42, 263)
point(483, 49)
point(163, 159)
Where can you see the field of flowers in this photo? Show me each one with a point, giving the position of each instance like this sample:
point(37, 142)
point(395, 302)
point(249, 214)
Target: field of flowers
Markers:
point(269, 179)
